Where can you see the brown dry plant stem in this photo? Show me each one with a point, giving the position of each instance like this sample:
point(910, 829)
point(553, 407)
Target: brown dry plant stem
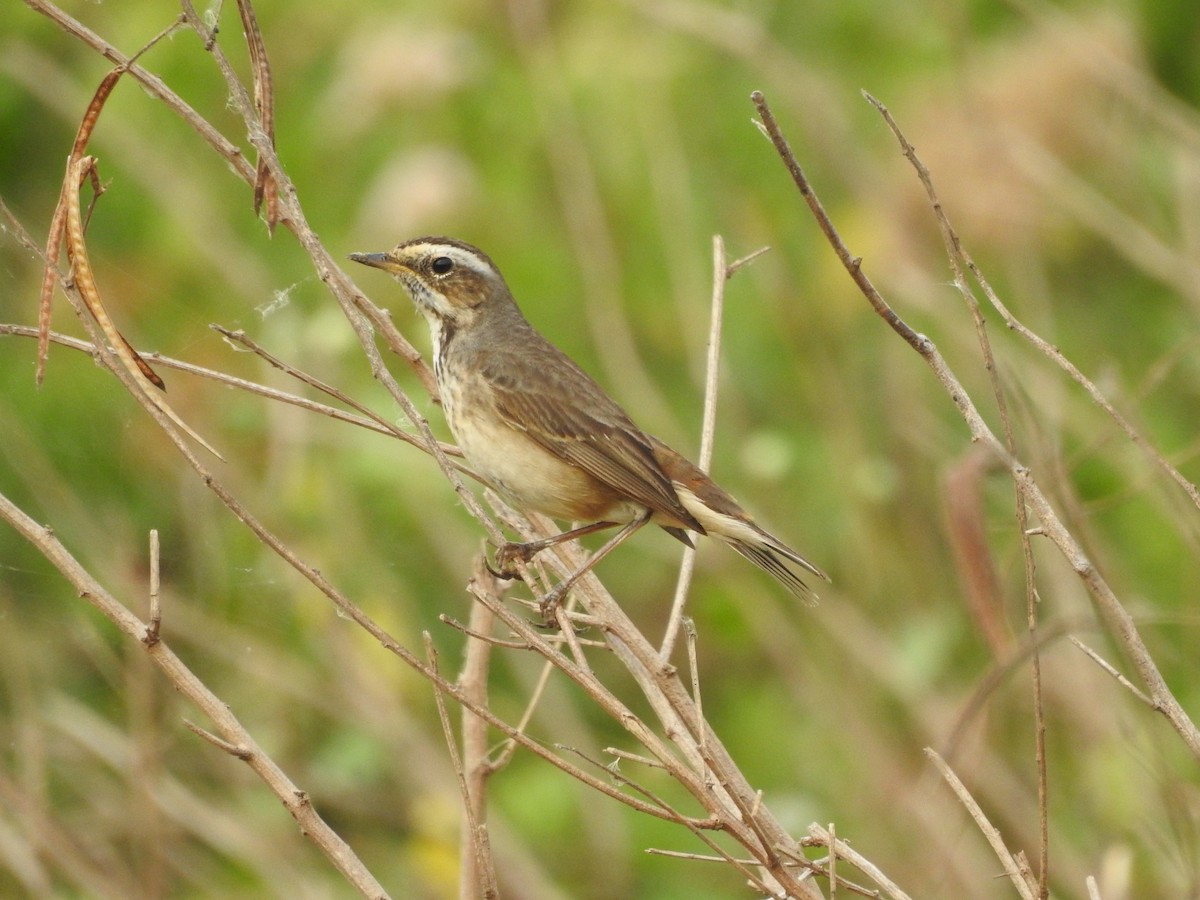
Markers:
point(232, 735)
point(369, 419)
point(477, 869)
point(694, 755)
point(478, 876)
point(958, 259)
point(1117, 617)
point(1012, 867)
point(723, 270)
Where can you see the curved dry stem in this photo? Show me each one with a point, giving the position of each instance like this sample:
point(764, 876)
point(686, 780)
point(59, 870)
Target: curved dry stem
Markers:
point(1117, 616)
point(958, 258)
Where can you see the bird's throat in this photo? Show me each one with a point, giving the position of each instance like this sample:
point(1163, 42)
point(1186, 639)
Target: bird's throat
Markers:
point(442, 332)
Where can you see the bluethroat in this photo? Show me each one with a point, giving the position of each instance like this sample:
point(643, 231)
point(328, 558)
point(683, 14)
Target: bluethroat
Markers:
point(545, 435)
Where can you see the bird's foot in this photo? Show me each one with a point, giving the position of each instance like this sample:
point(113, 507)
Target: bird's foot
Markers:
point(550, 604)
point(509, 555)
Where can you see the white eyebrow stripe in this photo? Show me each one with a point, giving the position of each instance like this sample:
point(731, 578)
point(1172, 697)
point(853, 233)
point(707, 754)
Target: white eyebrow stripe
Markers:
point(470, 260)
point(460, 256)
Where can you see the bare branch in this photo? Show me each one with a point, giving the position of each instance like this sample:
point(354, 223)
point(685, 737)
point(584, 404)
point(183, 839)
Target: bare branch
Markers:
point(478, 869)
point(1111, 670)
point(957, 258)
point(154, 626)
point(989, 831)
point(231, 731)
point(1117, 616)
point(845, 851)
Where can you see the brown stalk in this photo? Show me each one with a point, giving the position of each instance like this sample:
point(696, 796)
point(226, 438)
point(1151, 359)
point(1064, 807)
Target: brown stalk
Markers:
point(837, 846)
point(1011, 867)
point(233, 736)
point(747, 867)
point(1118, 618)
point(369, 419)
point(479, 868)
point(957, 257)
point(723, 270)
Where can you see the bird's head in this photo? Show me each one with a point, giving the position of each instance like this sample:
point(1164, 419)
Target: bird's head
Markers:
point(450, 281)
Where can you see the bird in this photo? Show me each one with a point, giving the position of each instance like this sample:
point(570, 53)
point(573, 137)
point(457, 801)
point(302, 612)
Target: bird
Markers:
point(546, 437)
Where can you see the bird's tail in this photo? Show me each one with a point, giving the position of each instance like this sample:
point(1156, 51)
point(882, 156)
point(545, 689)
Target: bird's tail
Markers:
point(722, 517)
point(772, 555)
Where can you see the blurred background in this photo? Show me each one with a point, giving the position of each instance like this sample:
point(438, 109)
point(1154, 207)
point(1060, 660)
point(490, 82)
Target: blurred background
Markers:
point(593, 150)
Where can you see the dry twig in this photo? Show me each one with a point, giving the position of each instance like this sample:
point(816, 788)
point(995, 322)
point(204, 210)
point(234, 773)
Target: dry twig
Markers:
point(1117, 616)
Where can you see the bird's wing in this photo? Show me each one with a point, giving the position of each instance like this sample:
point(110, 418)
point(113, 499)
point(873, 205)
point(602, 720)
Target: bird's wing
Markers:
point(576, 421)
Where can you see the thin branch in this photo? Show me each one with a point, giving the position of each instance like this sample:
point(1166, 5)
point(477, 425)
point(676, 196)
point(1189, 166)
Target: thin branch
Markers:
point(480, 636)
point(1043, 346)
point(1106, 600)
point(381, 424)
point(722, 272)
point(689, 627)
point(957, 258)
point(989, 831)
point(1111, 670)
point(833, 881)
point(633, 757)
point(369, 419)
point(185, 681)
point(478, 868)
point(234, 750)
point(505, 754)
point(846, 852)
point(745, 867)
point(154, 626)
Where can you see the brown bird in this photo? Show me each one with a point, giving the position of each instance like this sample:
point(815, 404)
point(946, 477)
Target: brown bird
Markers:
point(545, 435)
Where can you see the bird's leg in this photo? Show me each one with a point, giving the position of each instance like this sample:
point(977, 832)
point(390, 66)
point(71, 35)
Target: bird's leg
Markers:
point(551, 601)
point(507, 556)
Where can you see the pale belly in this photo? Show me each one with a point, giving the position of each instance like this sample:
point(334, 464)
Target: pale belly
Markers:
point(530, 477)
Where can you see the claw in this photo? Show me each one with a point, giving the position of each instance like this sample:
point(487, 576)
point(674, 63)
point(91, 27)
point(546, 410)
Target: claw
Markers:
point(502, 574)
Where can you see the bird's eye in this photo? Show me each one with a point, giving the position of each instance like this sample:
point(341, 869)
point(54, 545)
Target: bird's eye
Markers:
point(442, 265)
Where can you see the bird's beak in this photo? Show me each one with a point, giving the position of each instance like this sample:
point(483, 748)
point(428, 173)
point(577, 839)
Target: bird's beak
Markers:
point(378, 260)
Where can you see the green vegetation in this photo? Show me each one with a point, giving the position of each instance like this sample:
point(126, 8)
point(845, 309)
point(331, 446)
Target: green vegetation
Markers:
point(593, 150)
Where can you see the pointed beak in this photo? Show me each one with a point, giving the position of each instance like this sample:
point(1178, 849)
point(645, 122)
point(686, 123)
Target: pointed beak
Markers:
point(377, 260)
